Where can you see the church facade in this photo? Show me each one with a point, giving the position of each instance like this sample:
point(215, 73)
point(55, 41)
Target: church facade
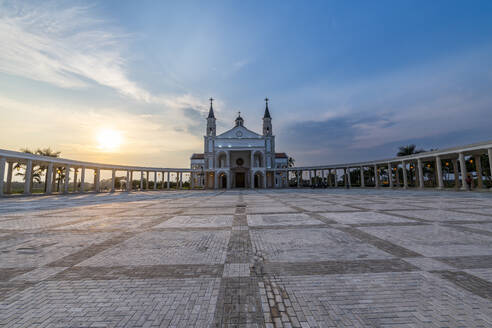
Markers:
point(239, 157)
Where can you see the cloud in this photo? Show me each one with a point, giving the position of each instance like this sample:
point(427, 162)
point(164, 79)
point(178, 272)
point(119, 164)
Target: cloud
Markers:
point(444, 102)
point(63, 46)
point(195, 123)
point(148, 139)
point(70, 48)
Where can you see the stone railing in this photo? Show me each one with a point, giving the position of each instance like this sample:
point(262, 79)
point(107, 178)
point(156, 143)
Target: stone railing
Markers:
point(406, 169)
point(434, 162)
point(56, 168)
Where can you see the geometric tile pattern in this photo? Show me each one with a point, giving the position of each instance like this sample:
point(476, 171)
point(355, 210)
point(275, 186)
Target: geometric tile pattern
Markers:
point(243, 258)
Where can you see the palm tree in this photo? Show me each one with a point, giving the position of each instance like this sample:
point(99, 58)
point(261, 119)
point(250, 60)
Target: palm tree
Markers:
point(48, 152)
point(38, 170)
point(408, 150)
point(290, 162)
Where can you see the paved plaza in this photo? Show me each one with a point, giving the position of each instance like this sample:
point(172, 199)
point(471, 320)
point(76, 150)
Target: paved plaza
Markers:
point(245, 258)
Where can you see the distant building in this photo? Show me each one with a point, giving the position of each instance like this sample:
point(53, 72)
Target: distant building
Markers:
point(239, 157)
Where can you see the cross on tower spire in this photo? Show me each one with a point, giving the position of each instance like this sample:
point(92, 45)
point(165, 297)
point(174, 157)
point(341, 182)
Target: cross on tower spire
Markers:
point(239, 119)
point(211, 111)
point(267, 112)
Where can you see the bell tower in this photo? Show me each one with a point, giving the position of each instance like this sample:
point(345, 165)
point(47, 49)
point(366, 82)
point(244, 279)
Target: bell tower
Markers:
point(211, 130)
point(210, 138)
point(267, 120)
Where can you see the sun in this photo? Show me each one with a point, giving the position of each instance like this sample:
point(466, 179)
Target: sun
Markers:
point(109, 139)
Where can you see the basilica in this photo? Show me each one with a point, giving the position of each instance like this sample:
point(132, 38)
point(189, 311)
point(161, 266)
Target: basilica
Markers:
point(239, 157)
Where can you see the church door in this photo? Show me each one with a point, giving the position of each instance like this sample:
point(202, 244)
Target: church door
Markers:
point(240, 180)
point(223, 181)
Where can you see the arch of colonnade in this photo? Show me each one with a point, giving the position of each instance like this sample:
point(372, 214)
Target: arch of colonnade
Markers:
point(421, 170)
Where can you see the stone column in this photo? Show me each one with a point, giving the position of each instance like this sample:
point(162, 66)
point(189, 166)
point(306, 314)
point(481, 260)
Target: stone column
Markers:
point(113, 179)
point(97, 180)
point(335, 177)
point(376, 176)
point(456, 174)
point(141, 180)
point(155, 180)
point(82, 179)
point(310, 178)
point(75, 179)
point(55, 171)
point(489, 151)
point(131, 180)
point(463, 171)
point(2, 173)
point(168, 180)
point(162, 184)
point(180, 180)
point(397, 176)
point(362, 182)
point(147, 182)
point(192, 180)
point(298, 179)
point(345, 184)
point(440, 183)
point(28, 175)
point(47, 181)
point(421, 173)
point(67, 179)
point(128, 181)
point(8, 186)
point(405, 176)
point(390, 175)
point(348, 178)
point(478, 167)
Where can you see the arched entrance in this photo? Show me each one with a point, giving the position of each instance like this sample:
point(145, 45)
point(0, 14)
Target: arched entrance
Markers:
point(223, 181)
point(258, 180)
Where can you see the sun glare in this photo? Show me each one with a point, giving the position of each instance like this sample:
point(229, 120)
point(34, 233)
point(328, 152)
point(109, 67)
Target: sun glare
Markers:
point(109, 140)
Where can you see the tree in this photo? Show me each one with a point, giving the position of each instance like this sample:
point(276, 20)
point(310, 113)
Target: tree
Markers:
point(291, 162)
point(38, 170)
point(408, 150)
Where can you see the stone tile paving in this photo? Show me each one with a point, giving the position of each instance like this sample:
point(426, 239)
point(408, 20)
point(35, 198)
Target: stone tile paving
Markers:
point(364, 217)
point(211, 221)
point(281, 219)
point(242, 258)
point(165, 247)
point(441, 215)
point(434, 240)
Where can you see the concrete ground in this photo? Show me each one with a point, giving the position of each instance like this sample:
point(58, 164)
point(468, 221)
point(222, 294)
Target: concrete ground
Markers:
point(274, 258)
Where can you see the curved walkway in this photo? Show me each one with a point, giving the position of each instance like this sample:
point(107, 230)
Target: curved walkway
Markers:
point(274, 258)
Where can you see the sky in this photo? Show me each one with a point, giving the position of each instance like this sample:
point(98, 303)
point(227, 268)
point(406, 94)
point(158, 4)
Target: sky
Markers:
point(347, 80)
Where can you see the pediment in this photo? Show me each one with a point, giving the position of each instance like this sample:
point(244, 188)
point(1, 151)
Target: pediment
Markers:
point(239, 132)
